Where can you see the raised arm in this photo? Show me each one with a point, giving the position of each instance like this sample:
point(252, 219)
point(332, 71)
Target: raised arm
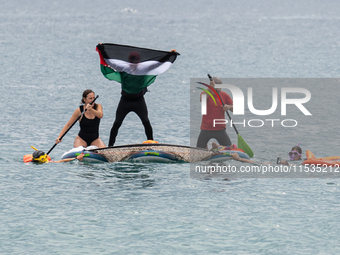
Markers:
point(97, 112)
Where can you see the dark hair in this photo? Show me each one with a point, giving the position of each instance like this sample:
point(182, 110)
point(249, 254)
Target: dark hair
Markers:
point(297, 148)
point(85, 94)
point(36, 155)
point(134, 57)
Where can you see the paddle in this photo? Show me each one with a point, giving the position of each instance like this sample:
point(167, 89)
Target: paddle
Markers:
point(72, 125)
point(240, 141)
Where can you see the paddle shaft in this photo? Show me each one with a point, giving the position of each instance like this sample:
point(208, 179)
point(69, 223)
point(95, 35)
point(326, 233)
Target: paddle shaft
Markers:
point(71, 125)
point(210, 78)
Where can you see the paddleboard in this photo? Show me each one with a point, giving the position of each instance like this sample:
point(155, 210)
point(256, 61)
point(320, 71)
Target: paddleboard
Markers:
point(226, 154)
point(154, 152)
point(153, 156)
point(89, 155)
point(160, 152)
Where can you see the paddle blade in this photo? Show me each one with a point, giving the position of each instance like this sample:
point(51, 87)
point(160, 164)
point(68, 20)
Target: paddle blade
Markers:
point(244, 146)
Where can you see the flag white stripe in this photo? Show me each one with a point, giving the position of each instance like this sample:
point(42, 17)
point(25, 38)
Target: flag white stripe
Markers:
point(151, 67)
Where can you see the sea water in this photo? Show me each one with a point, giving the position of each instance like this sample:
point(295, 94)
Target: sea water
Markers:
point(48, 58)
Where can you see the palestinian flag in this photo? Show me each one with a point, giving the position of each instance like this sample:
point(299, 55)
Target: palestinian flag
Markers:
point(135, 68)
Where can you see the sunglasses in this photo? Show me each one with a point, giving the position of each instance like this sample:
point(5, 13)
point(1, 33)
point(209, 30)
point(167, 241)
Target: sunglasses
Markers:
point(293, 155)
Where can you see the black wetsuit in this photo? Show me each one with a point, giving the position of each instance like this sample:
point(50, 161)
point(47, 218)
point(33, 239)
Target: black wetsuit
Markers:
point(131, 103)
point(89, 128)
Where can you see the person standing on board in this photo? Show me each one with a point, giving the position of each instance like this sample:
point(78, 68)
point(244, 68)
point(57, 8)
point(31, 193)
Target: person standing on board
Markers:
point(135, 69)
point(134, 102)
point(89, 122)
point(131, 103)
point(208, 130)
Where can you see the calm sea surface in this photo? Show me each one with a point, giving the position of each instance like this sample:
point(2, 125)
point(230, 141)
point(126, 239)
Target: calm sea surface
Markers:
point(48, 58)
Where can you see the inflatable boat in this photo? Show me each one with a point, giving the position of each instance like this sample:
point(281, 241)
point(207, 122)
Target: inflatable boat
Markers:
point(152, 152)
point(160, 152)
point(324, 161)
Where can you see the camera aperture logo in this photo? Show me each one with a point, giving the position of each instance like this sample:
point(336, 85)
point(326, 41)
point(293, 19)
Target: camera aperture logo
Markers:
point(239, 99)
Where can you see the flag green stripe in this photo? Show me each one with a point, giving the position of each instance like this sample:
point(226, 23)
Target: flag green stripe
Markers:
point(131, 84)
point(110, 74)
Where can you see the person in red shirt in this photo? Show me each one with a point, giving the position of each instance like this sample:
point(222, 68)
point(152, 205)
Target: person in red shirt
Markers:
point(208, 129)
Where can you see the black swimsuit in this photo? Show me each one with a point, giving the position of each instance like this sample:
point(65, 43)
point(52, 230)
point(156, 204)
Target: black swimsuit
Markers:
point(89, 128)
